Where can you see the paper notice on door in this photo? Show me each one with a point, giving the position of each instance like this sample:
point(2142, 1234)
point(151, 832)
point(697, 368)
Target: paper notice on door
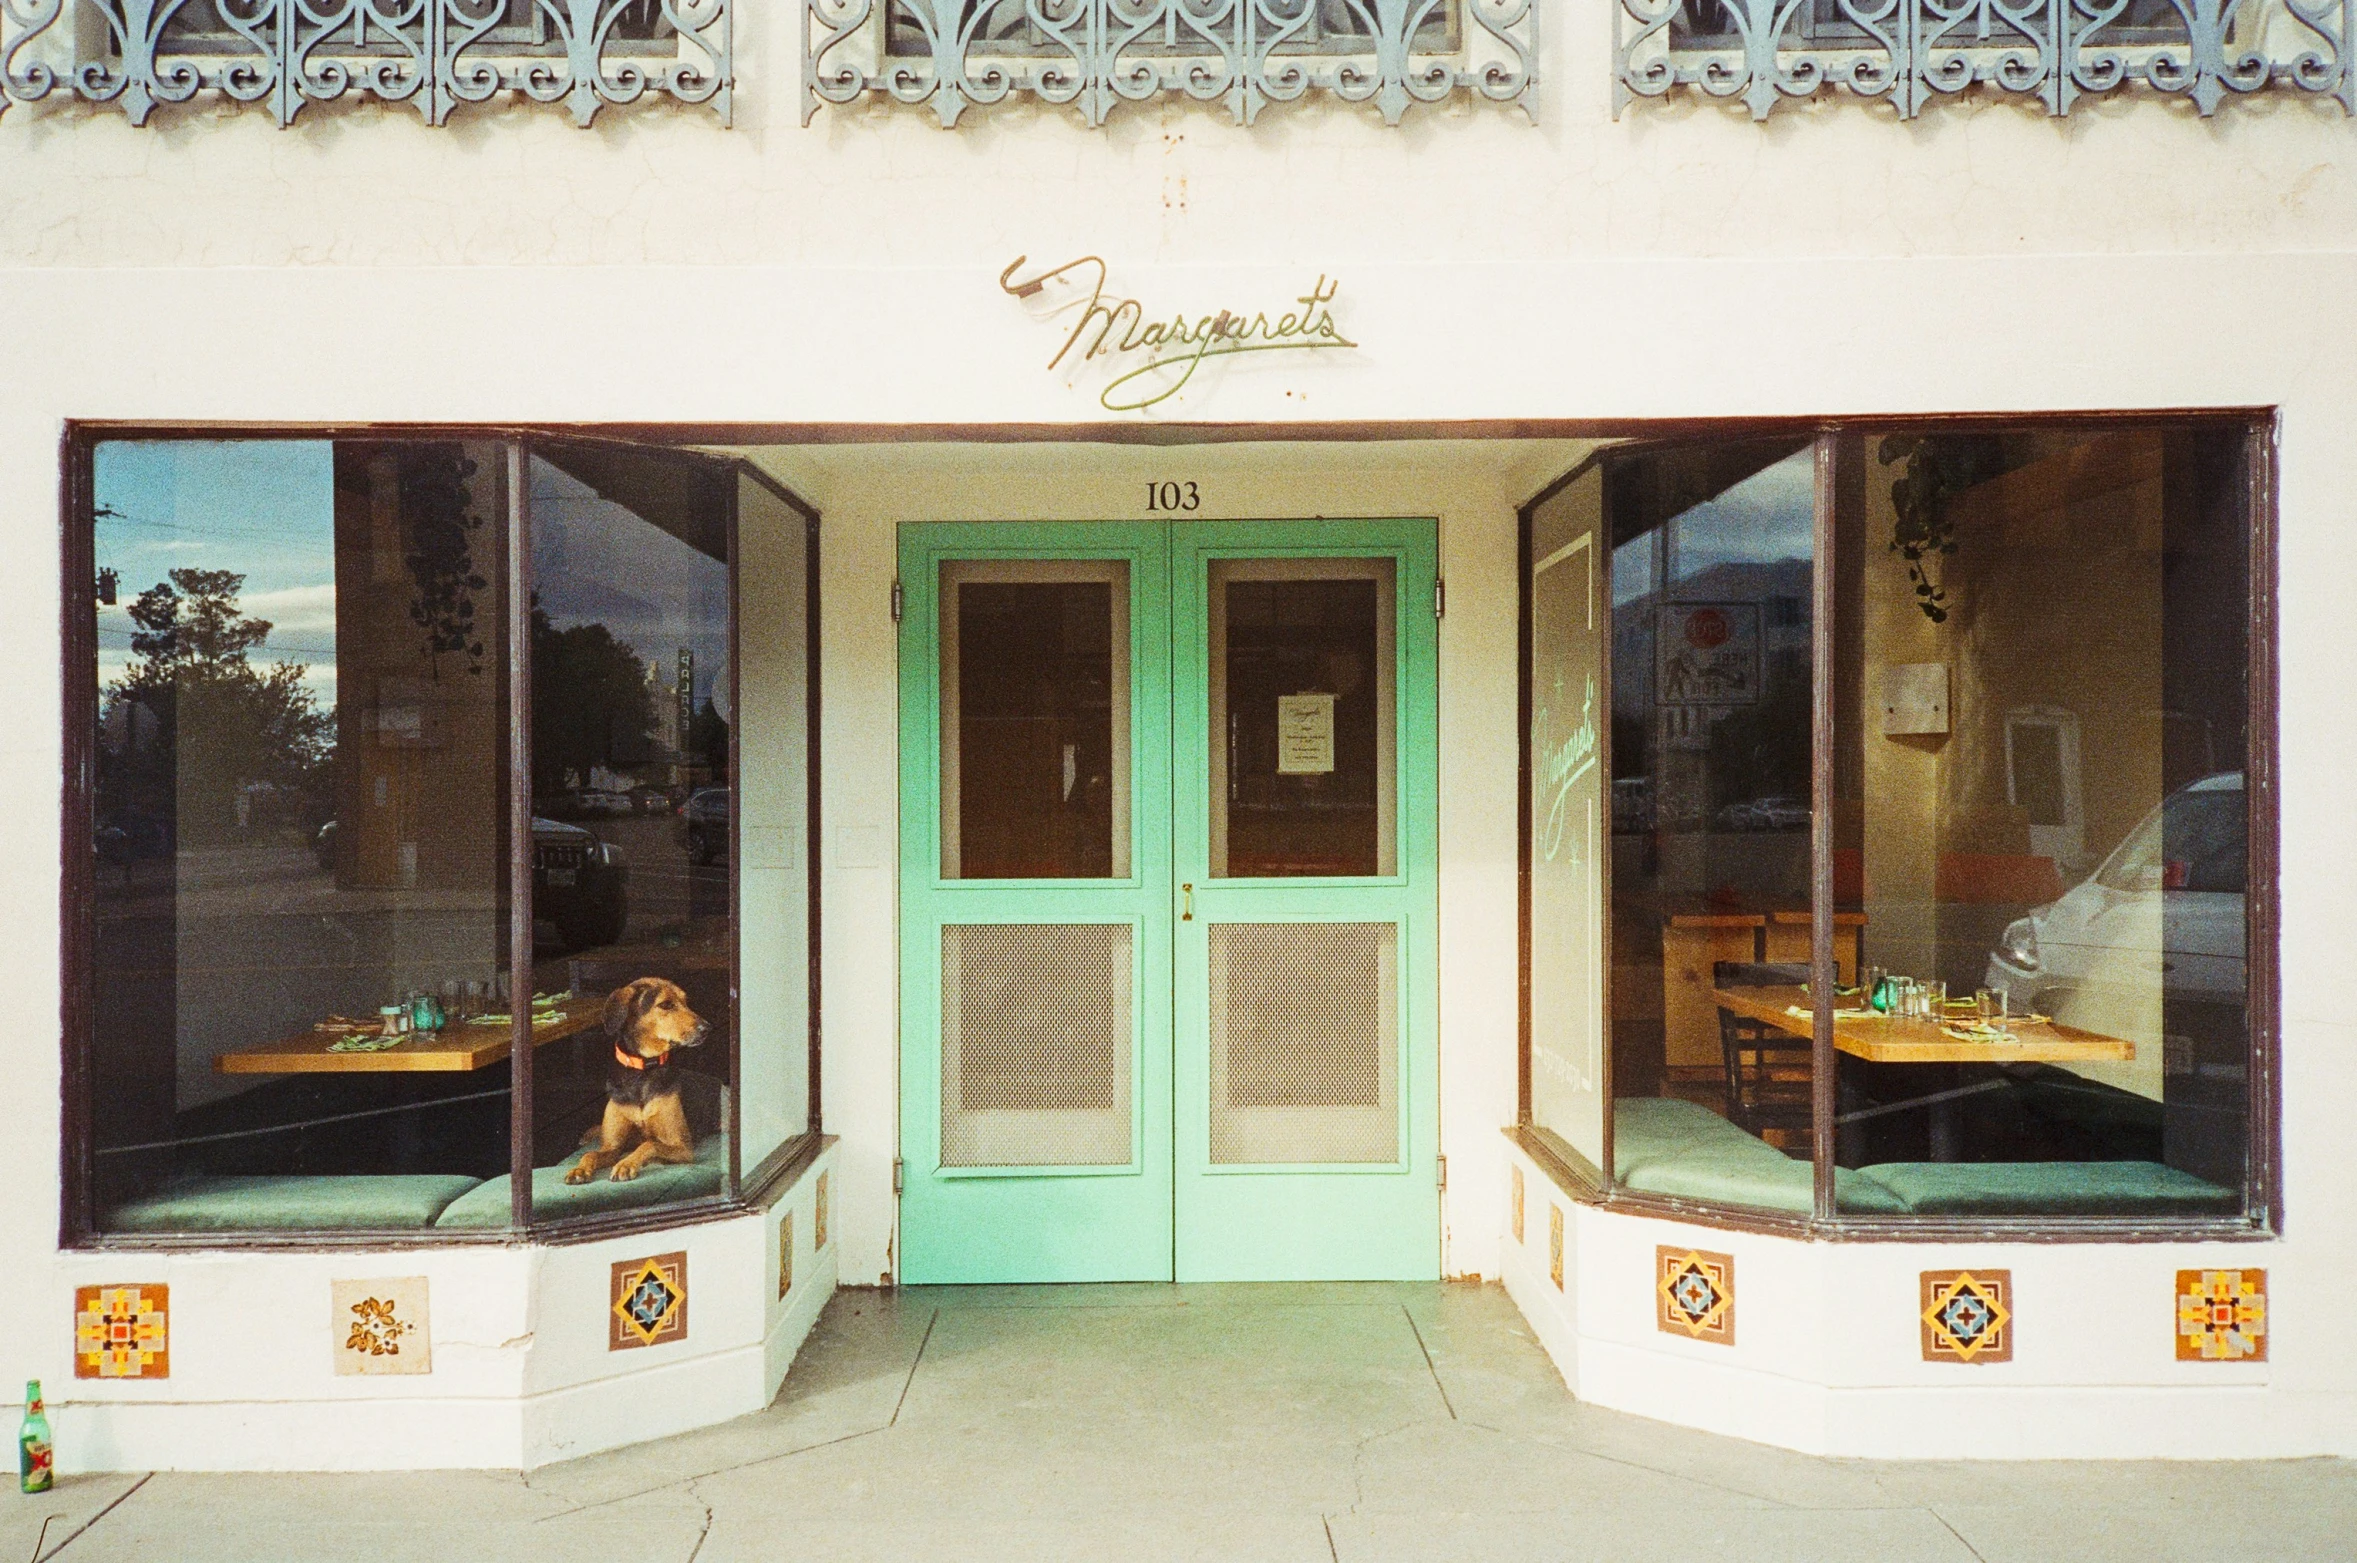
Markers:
point(1305, 735)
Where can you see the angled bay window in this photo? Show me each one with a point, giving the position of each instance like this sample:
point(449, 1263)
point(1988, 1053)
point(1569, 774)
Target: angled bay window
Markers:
point(404, 770)
point(1954, 721)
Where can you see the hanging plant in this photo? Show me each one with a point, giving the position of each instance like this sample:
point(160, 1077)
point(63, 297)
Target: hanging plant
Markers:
point(438, 508)
point(1923, 533)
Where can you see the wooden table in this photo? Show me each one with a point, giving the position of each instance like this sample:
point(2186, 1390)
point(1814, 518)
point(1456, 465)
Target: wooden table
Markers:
point(455, 1048)
point(1888, 1039)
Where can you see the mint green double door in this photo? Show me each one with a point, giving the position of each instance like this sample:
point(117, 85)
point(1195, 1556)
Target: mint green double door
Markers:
point(1167, 943)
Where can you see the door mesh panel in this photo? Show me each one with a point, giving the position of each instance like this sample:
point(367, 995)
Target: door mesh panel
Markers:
point(1036, 1022)
point(1304, 1042)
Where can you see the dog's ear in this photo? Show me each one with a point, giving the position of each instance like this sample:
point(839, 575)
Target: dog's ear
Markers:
point(624, 1005)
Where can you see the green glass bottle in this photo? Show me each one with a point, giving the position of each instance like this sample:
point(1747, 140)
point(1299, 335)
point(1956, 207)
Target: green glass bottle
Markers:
point(33, 1459)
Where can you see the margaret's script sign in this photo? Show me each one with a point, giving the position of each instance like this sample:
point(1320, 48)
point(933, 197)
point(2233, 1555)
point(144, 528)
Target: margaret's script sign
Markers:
point(1157, 356)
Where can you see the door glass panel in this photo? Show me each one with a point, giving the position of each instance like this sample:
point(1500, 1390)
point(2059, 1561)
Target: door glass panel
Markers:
point(1302, 728)
point(1035, 719)
point(1304, 1042)
point(1036, 1027)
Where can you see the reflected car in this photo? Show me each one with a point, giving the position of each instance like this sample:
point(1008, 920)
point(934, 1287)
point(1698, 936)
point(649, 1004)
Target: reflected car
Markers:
point(2168, 902)
point(580, 882)
point(1735, 816)
point(1632, 805)
point(703, 824)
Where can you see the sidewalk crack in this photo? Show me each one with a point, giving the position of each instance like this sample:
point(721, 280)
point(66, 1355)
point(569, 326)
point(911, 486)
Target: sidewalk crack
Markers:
point(1959, 1535)
point(1445, 1403)
point(914, 1363)
point(704, 1534)
point(78, 1531)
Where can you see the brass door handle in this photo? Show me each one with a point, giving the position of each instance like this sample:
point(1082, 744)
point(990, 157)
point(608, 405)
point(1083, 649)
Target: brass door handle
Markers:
point(1187, 896)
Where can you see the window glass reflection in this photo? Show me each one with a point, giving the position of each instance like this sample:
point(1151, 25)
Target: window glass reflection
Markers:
point(1712, 670)
point(298, 833)
point(633, 840)
point(2043, 813)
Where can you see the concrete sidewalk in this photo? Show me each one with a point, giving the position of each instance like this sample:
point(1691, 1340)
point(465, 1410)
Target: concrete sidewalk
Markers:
point(1308, 1424)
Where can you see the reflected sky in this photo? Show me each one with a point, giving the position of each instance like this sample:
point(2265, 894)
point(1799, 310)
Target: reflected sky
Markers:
point(264, 508)
point(1769, 516)
point(596, 562)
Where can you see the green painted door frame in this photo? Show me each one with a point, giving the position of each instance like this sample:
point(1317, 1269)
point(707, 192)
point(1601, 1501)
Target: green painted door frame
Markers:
point(1170, 1212)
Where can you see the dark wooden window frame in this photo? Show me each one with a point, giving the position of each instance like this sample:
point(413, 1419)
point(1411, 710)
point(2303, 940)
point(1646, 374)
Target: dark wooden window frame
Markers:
point(745, 1189)
point(2262, 1214)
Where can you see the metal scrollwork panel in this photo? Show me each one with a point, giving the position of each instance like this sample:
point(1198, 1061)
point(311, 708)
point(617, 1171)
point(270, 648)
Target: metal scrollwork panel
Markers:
point(1095, 55)
point(435, 55)
point(1915, 52)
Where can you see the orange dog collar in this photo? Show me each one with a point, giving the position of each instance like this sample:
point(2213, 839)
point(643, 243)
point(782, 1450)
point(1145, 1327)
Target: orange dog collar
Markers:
point(633, 1061)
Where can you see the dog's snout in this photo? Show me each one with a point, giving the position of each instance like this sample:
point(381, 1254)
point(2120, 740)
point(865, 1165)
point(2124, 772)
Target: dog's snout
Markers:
point(696, 1037)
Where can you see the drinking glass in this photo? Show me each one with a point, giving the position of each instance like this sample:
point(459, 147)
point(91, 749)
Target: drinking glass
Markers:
point(1984, 1005)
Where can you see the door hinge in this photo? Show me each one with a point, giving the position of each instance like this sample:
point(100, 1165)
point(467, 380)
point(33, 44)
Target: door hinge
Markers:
point(899, 600)
point(1440, 597)
point(897, 1165)
point(1441, 1173)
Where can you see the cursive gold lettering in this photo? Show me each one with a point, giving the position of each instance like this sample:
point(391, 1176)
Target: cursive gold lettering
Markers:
point(1171, 351)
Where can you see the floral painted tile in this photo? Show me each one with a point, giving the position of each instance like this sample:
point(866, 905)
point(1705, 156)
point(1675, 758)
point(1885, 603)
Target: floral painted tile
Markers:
point(1515, 1189)
point(649, 1302)
point(1967, 1316)
point(818, 1217)
point(381, 1326)
point(123, 1331)
point(1694, 1293)
point(2221, 1316)
point(1555, 1245)
point(785, 1256)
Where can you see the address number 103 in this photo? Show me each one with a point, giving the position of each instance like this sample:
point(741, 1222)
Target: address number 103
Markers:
point(1172, 496)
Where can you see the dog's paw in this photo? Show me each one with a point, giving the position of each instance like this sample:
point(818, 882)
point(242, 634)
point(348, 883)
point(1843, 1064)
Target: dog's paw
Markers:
point(624, 1172)
point(581, 1174)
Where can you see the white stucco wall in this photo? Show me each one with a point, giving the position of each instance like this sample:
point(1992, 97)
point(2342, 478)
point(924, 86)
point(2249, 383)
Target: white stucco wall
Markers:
point(1680, 262)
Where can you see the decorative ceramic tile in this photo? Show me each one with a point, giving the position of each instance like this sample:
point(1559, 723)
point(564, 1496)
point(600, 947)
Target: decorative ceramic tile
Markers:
point(1555, 1245)
point(1516, 1189)
point(818, 1217)
point(650, 1302)
point(1967, 1315)
point(1694, 1293)
point(380, 1326)
point(785, 1256)
point(123, 1331)
point(2221, 1316)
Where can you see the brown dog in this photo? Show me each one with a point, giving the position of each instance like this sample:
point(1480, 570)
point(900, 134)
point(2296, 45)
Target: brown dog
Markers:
point(646, 1021)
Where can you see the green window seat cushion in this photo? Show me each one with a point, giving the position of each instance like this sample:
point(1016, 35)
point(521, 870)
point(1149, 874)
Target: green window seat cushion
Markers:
point(1661, 1145)
point(1762, 1179)
point(1649, 1129)
point(553, 1199)
point(2049, 1188)
point(356, 1203)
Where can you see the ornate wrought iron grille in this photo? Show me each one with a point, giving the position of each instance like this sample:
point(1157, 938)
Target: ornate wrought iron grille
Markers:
point(431, 54)
point(1914, 52)
point(1099, 54)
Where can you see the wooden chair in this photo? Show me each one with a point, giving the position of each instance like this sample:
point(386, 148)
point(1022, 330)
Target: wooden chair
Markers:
point(1768, 1069)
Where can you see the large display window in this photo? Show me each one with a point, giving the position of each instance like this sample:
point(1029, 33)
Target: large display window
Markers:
point(1897, 838)
point(428, 804)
